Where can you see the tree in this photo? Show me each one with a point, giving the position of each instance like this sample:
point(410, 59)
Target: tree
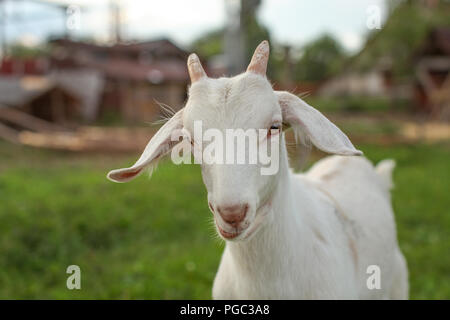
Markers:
point(252, 32)
point(320, 59)
point(210, 44)
point(19, 50)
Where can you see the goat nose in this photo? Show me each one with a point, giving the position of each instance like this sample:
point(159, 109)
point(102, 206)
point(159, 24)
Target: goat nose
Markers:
point(234, 214)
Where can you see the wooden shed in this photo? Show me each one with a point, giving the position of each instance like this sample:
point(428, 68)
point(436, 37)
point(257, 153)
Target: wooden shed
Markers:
point(136, 75)
point(432, 90)
point(40, 97)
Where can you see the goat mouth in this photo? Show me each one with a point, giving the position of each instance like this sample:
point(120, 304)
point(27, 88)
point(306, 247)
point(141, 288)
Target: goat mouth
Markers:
point(227, 234)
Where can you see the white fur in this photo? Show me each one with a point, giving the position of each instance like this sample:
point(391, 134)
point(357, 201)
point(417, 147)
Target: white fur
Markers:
point(307, 236)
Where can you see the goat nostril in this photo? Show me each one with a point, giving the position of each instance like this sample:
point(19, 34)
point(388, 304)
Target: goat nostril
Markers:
point(233, 214)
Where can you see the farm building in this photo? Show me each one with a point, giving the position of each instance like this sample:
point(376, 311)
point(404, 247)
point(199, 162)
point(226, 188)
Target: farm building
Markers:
point(432, 90)
point(38, 96)
point(414, 70)
point(126, 80)
point(65, 97)
point(136, 76)
point(44, 100)
point(428, 86)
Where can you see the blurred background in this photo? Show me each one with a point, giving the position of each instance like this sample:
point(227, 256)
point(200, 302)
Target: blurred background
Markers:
point(83, 85)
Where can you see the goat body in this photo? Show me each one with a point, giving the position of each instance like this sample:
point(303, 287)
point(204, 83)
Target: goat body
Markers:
point(331, 224)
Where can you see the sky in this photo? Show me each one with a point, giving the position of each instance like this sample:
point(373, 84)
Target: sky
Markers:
point(293, 22)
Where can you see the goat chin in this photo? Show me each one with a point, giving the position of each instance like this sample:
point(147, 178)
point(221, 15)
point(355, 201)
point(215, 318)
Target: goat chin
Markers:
point(325, 229)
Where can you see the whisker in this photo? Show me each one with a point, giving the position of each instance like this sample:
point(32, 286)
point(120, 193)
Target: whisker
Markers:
point(214, 235)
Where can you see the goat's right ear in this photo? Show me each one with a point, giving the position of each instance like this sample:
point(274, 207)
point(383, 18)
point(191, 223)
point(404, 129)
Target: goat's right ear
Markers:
point(158, 145)
point(317, 128)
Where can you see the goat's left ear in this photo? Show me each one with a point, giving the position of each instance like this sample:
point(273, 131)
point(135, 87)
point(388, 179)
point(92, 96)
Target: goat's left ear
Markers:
point(321, 131)
point(158, 146)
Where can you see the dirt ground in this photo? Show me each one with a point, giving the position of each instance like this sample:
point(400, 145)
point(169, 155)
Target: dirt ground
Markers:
point(383, 128)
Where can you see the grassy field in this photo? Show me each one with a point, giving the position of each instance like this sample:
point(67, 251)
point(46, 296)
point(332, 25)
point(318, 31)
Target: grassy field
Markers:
point(154, 239)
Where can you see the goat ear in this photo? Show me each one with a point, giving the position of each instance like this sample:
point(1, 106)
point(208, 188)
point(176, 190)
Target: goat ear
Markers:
point(158, 145)
point(318, 129)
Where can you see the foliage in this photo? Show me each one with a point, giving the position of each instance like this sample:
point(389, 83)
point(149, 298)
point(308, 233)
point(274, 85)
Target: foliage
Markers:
point(210, 44)
point(404, 32)
point(255, 31)
point(320, 59)
point(357, 104)
point(21, 51)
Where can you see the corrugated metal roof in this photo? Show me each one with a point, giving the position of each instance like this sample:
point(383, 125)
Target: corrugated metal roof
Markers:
point(156, 72)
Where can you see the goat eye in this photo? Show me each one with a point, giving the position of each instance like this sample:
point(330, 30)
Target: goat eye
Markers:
point(276, 127)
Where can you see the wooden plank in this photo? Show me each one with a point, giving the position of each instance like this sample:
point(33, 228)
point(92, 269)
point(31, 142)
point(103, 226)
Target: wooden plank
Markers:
point(89, 139)
point(8, 133)
point(54, 140)
point(27, 121)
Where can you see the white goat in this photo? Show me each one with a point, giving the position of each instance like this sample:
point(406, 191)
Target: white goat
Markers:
point(288, 236)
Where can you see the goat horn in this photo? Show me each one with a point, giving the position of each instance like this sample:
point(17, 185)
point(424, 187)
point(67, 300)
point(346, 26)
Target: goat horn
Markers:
point(260, 58)
point(195, 68)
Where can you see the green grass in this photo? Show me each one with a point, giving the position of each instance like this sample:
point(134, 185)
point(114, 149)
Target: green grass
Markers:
point(357, 104)
point(153, 238)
